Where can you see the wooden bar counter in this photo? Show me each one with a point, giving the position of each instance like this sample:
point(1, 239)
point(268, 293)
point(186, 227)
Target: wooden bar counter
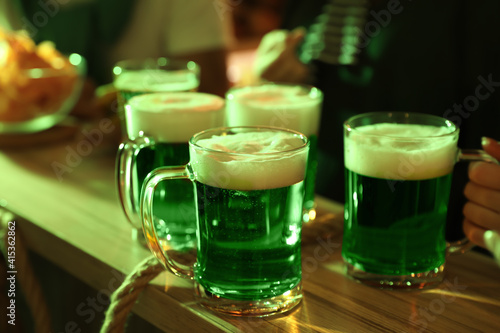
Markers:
point(66, 208)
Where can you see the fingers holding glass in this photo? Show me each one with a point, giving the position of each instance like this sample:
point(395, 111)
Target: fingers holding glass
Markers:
point(482, 216)
point(483, 196)
point(474, 233)
point(492, 147)
point(485, 174)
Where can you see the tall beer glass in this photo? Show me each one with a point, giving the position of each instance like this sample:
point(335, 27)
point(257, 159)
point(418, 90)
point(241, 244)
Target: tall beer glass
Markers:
point(296, 107)
point(139, 76)
point(249, 184)
point(398, 171)
point(159, 126)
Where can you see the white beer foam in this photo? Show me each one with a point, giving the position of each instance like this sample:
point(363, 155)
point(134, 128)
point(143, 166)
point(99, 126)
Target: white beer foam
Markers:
point(253, 164)
point(286, 106)
point(400, 151)
point(156, 80)
point(173, 117)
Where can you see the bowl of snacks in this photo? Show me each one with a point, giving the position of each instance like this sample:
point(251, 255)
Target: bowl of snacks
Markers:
point(39, 86)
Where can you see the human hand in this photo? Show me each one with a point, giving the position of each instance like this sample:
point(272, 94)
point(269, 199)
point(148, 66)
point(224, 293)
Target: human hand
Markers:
point(276, 58)
point(482, 212)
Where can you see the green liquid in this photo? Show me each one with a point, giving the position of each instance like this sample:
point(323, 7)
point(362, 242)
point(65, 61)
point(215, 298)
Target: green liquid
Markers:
point(161, 154)
point(249, 241)
point(174, 202)
point(395, 227)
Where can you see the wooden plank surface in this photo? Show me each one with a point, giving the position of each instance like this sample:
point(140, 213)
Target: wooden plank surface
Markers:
point(73, 219)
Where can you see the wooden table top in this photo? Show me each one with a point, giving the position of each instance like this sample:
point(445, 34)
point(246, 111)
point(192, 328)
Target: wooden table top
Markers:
point(68, 211)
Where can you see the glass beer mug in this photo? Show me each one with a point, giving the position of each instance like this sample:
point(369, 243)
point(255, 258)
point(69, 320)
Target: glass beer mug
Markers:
point(159, 126)
point(398, 172)
point(249, 185)
point(291, 106)
point(134, 77)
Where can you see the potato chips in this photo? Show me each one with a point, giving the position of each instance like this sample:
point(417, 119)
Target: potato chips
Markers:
point(34, 79)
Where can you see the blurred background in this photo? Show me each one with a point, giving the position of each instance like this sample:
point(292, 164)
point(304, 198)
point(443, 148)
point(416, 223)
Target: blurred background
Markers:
point(251, 20)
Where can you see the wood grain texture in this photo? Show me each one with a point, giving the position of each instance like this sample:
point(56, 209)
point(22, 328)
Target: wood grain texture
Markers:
point(76, 222)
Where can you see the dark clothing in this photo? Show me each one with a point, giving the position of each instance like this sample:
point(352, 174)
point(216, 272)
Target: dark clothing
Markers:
point(87, 28)
point(436, 57)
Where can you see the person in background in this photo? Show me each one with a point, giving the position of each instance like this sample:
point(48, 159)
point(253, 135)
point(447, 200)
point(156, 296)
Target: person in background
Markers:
point(439, 58)
point(482, 211)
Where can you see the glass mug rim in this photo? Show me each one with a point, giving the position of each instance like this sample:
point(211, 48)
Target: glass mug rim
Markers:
point(228, 129)
point(154, 63)
point(414, 118)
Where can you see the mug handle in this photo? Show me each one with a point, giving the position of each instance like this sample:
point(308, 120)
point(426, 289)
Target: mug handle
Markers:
point(468, 155)
point(126, 164)
point(147, 194)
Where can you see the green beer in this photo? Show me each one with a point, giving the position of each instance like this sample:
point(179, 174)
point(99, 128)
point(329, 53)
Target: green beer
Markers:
point(137, 77)
point(249, 220)
point(138, 82)
point(159, 126)
point(179, 194)
point(295, 107)
point(398, 179)
point(158, 155)
point(250, 241)
point(395, 230)
point(249, 185)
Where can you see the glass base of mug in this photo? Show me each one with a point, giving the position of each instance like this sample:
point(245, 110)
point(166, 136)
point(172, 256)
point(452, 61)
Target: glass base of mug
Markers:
point(255, 308)
point(423, 280)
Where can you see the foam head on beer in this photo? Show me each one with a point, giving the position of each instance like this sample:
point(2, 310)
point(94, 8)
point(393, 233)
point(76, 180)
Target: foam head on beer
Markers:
point(288, 106)
point(173, 117)
point(250, 160)
point(156, 80)
point(400, 151)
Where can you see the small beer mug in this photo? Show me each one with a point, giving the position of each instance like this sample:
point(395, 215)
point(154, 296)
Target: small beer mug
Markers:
point(295, 107)
point(159, 126)
point(134, 77)
point(249, 184)
point(398, 172)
